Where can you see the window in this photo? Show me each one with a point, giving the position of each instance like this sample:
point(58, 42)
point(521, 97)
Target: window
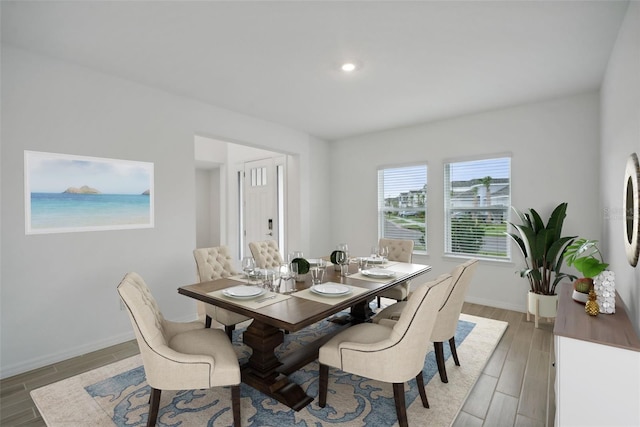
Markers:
point(402, 201)
point(477, 197)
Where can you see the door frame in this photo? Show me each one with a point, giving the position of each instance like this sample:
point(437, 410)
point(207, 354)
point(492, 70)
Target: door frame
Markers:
point(280, 172)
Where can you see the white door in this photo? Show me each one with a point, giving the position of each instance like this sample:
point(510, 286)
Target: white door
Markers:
point(260, 207)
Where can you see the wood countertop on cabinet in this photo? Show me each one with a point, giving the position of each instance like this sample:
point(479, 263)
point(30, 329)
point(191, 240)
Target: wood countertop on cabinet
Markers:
point(607, 329)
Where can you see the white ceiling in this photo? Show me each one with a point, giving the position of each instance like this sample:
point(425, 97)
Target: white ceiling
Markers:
point(421, 60)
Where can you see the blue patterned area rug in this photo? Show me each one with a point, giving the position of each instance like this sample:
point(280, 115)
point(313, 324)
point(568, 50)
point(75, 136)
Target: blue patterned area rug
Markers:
point(117, 394)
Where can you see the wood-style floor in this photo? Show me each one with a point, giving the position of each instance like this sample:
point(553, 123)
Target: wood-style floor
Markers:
point(515, 389)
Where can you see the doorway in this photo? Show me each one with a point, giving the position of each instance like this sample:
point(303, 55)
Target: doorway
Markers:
point(262, 196)
point(222, 213)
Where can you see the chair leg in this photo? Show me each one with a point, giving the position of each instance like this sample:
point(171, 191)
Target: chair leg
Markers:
point(154, 406)
point(454, 353)
point(235, 404)
point(422, 390)
point(207, 321)
point(229, 330)
point(379, 302)
point(401, 409)
point(323, 383)
point(440, 361)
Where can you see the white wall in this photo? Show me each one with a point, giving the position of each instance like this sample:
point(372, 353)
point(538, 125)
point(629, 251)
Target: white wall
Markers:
point(620, 138)
point(207, 198)
point(555, 158)
point(58, 291)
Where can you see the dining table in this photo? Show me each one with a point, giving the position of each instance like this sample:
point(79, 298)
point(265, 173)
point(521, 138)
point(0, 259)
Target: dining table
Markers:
point(275, 313)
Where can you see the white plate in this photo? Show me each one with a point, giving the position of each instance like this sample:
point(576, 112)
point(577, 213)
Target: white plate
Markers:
point(331, 290)
point(379, 273)
point(313, 261)
point(374, 260)
point(243, 291)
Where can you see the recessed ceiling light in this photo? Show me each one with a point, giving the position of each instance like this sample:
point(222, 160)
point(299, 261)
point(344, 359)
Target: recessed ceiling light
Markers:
point(348, 67)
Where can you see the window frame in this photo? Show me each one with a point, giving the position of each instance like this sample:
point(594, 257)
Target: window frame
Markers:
point(383, 208)
point(504, 209)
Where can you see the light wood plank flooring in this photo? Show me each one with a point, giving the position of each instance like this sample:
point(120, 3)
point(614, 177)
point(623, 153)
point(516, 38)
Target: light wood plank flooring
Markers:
point(515, 389)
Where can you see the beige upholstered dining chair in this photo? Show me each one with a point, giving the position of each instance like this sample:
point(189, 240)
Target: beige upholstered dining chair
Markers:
point(178, 356)
point(399, 250)
point(211, 264)
point(266, 254)
point(448, 315)
point(375, 350)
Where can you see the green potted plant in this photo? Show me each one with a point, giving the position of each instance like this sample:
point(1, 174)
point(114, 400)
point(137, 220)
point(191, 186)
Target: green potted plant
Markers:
point(584, 255)
point(542, 246)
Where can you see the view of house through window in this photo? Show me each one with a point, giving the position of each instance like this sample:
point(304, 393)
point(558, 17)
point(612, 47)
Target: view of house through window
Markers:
point(477, 199)
point(402, 201)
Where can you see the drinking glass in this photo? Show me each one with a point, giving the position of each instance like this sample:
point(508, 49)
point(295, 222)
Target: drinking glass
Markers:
point(286, 274)
point(317, 274)
point(363, 264)
point(268, 279)
point(375, 252)
point(256, 279)
point(248, 265)
point(294, 275)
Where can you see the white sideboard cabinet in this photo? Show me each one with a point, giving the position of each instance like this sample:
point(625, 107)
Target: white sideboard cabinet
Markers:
point(597, 366)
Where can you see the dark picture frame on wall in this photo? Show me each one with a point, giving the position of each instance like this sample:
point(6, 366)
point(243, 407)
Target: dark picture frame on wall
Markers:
point(70, 193)
point(631, 209)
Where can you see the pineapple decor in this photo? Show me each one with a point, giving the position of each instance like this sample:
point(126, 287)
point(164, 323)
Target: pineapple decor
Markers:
point(591, 307)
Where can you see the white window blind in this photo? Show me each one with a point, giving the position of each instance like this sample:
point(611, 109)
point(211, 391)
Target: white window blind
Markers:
point(477, 197)
point(402, 201)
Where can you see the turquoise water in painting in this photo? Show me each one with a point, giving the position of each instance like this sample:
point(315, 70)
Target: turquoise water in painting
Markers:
point(67, 210)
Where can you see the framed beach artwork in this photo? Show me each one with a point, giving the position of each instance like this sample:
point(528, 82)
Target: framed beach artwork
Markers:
point(67, 193)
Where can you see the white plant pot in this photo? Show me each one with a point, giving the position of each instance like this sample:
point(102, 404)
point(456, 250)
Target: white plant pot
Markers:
point(542, 306)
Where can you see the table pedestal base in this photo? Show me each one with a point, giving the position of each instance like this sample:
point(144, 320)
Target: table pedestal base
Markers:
point(262, 371)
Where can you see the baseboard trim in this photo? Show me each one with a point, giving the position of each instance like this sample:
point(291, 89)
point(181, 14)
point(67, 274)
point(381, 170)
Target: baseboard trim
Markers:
point(496, 304)
point(49, 359)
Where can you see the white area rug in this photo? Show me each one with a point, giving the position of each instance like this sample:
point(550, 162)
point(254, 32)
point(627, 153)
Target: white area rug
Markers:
point(117, 394)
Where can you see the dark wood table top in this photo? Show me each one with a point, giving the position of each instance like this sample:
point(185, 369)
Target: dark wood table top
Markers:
point(295, 313)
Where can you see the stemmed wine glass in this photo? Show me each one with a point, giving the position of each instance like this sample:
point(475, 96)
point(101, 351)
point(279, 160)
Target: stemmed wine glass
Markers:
point(343, 247)
point(384, 253)
point(343, 260)
point(248, 265)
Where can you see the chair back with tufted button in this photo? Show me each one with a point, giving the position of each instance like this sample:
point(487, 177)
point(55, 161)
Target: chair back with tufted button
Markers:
point(399, 249)
point(266, 254)
point(213, 263)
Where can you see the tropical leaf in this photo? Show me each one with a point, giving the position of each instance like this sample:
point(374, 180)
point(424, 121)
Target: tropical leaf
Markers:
point(538, 224)
point(556, 250)
point(521, 216)
point(518, 241)
point(542, 247)
point(582, 255)
point(556, 220)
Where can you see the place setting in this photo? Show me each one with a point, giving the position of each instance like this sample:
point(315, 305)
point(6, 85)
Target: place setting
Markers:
point(329, 292)
point(261, 289)
point(249, 296)
point(374, 269)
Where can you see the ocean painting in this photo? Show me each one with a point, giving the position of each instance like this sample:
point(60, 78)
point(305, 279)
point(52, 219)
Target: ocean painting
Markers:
point(67, 193)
